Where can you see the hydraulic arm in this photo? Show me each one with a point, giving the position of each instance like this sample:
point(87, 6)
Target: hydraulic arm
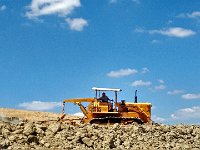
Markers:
point(77, 101)
point(74, 100)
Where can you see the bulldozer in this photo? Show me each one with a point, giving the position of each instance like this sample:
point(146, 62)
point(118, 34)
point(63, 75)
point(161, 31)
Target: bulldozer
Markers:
point(111, 111)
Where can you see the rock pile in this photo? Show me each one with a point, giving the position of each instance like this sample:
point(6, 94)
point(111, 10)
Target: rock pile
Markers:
point(29, 135)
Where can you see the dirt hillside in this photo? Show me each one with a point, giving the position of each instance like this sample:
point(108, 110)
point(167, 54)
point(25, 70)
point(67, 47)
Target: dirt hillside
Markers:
point(30, 115)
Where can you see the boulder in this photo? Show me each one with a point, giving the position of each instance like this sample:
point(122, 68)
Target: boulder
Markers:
point(29, 129)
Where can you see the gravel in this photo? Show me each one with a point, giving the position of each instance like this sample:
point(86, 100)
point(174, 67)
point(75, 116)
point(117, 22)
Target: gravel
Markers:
point(37, 135)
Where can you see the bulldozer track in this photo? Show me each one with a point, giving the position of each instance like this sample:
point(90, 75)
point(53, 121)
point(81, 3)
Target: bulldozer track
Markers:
point(112, 120)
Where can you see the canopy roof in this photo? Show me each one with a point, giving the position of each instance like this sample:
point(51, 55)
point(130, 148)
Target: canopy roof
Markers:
point(106, 89)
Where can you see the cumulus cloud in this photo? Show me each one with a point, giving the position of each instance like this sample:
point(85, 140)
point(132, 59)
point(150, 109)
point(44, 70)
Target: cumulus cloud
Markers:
point(175, 92)
point(39, 105)
point(49, 7)
point(187, 113)
point(145, 70)
point(193, 15)
point(171, 32)
point(140, 83)
point(3, 7)
point(140, 30)
point(190, 96)
point(158, 119)
point(122, 73)
point(77, 24)
point(79, 114)
point(161, 81)
point(174, 32)
point(160, 87)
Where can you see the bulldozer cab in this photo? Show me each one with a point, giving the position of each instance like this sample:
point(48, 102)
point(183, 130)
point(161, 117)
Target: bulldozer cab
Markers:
point(110, 105)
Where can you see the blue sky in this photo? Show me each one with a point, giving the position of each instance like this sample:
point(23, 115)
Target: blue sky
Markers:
point(52, 50)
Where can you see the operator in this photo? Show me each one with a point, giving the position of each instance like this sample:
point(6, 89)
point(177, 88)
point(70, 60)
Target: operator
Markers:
point(104, 98)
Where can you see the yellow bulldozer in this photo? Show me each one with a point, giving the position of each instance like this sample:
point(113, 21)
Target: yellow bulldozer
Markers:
point(104, 111)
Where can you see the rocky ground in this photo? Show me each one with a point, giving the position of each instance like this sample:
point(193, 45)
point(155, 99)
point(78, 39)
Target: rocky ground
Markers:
point(52, 135)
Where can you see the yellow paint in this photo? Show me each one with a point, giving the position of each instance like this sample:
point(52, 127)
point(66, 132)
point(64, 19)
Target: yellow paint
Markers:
point(97, 109)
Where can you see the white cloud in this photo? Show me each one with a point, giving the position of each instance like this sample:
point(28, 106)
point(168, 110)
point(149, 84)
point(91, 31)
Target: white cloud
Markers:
point(175, 92)
point(193, 15)
point(49, 7)
point(140, 83)
point(191, 96)
point(3, 7)
point(171, 32)
point(79, 114)
point(160, 87)
point(174, 32)
point(169, 22)
point(77, 24)
point(158, 119)
point(145, 70)
point(122, 73)
point(40, 106)
point(187, 113)
point(161, 81)
point(139, 30)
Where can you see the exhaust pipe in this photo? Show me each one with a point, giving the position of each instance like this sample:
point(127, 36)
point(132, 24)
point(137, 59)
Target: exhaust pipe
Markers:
point(135, 96)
